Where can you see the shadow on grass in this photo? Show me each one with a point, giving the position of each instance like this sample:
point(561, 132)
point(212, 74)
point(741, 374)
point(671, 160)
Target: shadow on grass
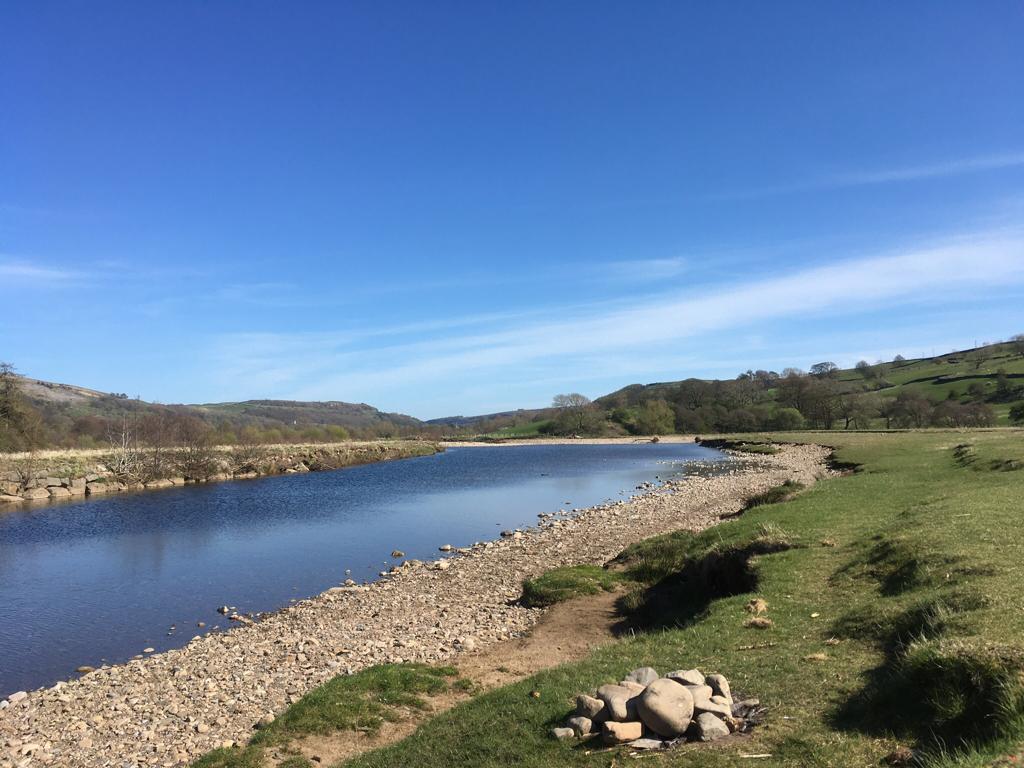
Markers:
point(689, 582)
point(938, 684)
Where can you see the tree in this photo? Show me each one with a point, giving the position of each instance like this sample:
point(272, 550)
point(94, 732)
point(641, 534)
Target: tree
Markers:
point(910, 410)
point(899, 359)
point(786, 419)
point(866, 369)
point(1017, 344)
point(1017, 413)
point(655, 418)
point(857, 410)
point(21, 426)
point(577, 415)
point(825, 370)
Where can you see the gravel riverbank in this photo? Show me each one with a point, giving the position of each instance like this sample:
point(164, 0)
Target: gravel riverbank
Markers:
point(169, 708)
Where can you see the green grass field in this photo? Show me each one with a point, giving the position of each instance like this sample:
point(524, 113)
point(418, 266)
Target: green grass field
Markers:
point(895, 596)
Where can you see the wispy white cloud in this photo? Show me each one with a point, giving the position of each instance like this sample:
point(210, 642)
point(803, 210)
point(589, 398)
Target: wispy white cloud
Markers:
point(25, 271)
point(643, 269)
point(335, 366)
point(930, 171)
point(843, 179)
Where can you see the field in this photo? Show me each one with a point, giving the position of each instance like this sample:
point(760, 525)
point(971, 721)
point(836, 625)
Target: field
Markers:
point(894, 594)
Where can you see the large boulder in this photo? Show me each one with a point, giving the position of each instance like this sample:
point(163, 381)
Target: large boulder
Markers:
point(666, 707)
point(35, 493)
point(619, 702)
point(708, 727)
point(644, 676)
point(621, 733)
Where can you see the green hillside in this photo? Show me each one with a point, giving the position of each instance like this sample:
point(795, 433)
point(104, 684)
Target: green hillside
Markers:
point(983, 386)
point(77, 417)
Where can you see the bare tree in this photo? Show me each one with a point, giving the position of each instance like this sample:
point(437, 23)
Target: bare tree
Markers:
point(577, 414)
point(825, 370)
point(124, 460)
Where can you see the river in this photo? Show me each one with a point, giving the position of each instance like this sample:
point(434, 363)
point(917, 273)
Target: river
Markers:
point(100, 580)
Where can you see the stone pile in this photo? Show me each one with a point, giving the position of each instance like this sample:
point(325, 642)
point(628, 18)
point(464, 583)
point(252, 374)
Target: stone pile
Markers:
point(649, 711)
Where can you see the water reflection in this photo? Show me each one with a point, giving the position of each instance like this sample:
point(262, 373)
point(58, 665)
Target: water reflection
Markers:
point(98, 580)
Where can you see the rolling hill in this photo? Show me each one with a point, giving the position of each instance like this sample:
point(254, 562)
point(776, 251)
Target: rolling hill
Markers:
point(82, 417)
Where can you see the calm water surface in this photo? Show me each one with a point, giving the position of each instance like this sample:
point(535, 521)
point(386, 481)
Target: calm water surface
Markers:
point(97, 581)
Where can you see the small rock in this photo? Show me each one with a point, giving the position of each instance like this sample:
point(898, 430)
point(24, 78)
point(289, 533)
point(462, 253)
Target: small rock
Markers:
point(710, 727)
point(637, 688)
point(900, 756)
point(716, 705)
point(644, 676)
point(745, 707)
point(581, 726)
point(563, 733)
point(620, 702)
point(85, 669)
point(666, 707)
point(588, 706)
point(397, 553)
point(264, 721)
point(17, 696)
point(621, 733)
point(446, 548)
point(720, 686)
point(686, 676)
point(148, 650)
point(647, 744)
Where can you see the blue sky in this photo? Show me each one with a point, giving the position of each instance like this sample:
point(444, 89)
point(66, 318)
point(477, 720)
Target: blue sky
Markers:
point(444, 208)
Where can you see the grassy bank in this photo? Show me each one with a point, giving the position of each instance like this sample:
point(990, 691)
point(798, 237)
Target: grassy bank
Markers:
point(894, 619)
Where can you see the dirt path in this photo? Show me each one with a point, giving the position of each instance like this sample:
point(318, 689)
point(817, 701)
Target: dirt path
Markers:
point(567, 632)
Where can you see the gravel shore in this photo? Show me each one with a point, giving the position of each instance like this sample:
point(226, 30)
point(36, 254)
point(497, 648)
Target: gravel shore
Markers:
point(168, 709)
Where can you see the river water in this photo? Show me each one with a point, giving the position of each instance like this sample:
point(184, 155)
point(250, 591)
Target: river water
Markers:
point(97, 581)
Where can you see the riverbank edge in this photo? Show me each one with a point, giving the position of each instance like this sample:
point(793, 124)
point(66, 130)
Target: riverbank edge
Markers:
point(71, 475)
point(127, 711)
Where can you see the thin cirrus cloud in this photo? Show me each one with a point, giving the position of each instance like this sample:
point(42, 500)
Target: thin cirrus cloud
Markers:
point(923, 172)
point(28, 272)
point(630, 330)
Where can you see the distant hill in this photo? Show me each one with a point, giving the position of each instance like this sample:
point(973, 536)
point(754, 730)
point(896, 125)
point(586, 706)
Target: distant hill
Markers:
point(80, 416)
point(988, 378)
point(522, 414)
point(348, 415)
point(971, 387)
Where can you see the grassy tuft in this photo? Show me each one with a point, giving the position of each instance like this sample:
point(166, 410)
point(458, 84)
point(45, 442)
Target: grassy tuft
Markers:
point(566, 583)
point(779, 493)
point(363, 701)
